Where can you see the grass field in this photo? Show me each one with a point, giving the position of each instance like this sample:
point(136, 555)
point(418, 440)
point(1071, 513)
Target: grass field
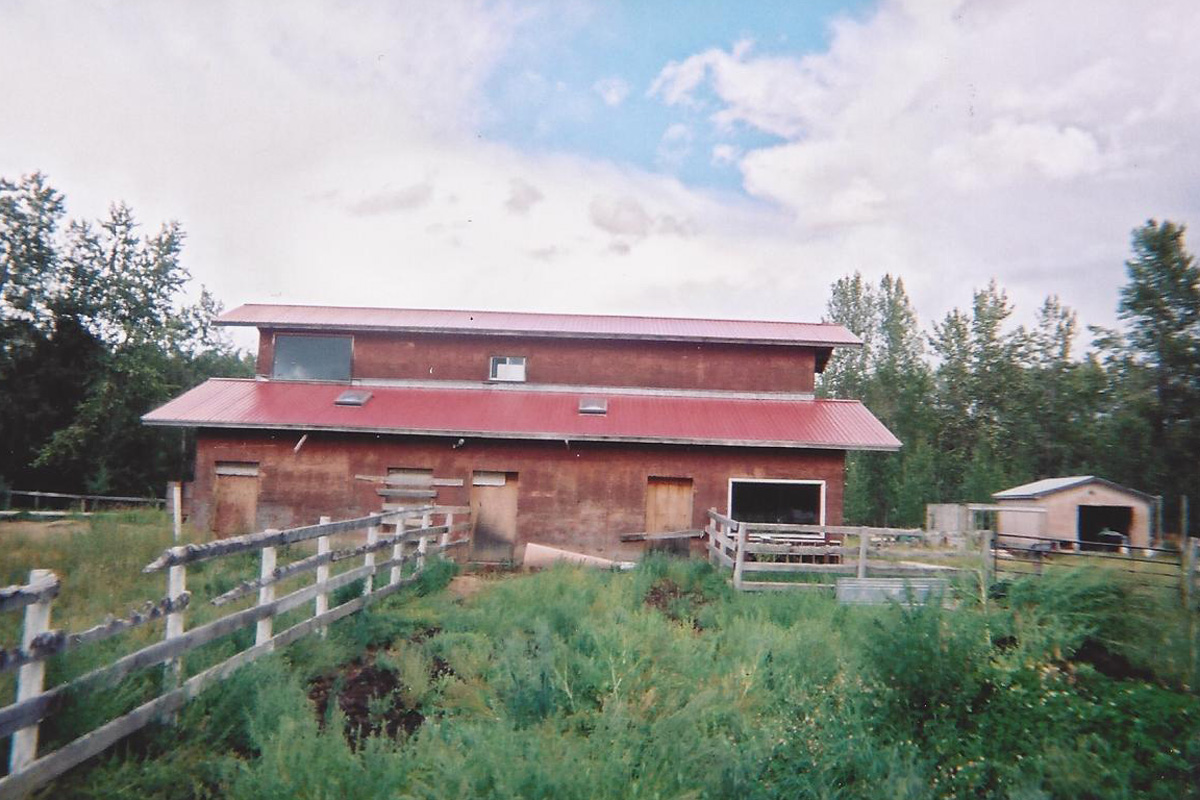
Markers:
point(662, 683)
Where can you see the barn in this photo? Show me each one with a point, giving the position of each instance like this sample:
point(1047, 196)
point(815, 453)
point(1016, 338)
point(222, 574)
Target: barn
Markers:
point(1080, 512)
point(567, 430)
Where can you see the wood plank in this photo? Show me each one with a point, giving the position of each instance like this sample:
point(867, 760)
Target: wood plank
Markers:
point(21, 595)
point(418, 493)
point(651, 537)
point(776, 586)
point(779, 566)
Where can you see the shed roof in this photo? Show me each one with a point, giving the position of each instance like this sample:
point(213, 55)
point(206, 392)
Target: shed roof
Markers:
point(508, 323)
point(1029, 491)
point(490, 413)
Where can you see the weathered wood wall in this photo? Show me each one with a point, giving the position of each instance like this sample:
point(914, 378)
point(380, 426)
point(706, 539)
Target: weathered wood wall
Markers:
point(577, 495)
point(591, 362)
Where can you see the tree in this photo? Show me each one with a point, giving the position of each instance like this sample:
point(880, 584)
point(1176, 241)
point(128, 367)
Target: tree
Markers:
point(1161, 351)
point(97, 332)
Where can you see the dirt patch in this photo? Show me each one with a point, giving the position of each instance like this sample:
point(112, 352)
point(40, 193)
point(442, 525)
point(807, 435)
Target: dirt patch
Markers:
point(670, 598)
point(463, 586)
point(369, 698)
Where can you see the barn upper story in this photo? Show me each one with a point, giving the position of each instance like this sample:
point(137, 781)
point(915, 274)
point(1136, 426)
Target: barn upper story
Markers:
point(417, 347)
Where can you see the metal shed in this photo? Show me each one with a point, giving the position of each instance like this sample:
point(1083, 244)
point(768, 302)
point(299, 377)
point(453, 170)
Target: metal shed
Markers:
point(1082, 512)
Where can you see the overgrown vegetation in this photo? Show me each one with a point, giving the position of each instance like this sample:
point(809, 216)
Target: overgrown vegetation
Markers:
point(982, 405)
point(663, 682)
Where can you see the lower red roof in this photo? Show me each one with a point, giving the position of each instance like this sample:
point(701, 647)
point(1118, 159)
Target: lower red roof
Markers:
point(531, 414)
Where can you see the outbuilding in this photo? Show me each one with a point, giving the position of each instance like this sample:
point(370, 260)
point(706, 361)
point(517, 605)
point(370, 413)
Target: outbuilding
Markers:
point(1080, 512)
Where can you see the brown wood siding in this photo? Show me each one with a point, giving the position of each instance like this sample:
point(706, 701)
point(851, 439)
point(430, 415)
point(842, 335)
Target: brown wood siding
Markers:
point(678, 365)
point(581, 496)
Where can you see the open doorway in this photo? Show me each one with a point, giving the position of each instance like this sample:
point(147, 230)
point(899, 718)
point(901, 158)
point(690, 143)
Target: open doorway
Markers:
point(1104, 527)
point(780, 502)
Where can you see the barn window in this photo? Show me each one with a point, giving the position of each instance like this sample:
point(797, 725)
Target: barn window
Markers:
point(783, 502)
point(507, 368)
point(312, 358)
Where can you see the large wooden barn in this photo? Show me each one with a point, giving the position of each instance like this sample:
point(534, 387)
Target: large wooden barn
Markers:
point(565, 430)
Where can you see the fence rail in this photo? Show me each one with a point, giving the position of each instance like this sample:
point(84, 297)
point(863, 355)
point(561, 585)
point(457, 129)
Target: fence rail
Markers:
point(95, 499)
point(415, 540)
point(813, 550)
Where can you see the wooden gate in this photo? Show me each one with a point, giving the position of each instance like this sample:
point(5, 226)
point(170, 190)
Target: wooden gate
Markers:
point(494, 515)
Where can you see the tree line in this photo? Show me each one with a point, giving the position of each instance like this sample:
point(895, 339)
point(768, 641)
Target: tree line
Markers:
point(96, 329)
point(982, 405)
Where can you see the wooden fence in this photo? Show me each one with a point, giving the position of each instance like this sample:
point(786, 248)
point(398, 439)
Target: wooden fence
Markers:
point(76, 503)
point(814, 550)
point(414, 538)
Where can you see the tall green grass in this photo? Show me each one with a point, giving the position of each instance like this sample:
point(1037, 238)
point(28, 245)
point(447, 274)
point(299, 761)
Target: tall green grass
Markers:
point(665, 683)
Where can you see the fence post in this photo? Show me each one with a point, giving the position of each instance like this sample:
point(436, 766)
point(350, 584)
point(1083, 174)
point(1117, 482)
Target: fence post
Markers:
point(176, 586)
point(864, 543)
point(398, 554)
point(1188, 570)
point(369, 559)
point(266, 594)
point(739, 559)
point(31, 678)
point(177, 508)
point(987, 554)
point(321, 602)
point(444, 539)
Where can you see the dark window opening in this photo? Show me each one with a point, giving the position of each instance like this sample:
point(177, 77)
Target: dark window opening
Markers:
point(312, 358)
point(1104, 527)
point(776, 503)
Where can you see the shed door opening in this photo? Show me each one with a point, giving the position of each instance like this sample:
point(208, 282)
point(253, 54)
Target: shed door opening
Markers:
point(777, 502)
point(669, 508)
point(1096, 522)
point(494, 512)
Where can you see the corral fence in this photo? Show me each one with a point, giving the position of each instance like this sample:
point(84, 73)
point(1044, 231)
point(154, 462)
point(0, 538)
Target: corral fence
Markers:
point(412, 536)
point(40, 503)
point(1018, 555)
point(805, 555)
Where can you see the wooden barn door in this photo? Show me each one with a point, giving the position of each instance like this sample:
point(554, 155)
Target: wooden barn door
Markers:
point(235, 498)
point(494, 515)
point(669, 508)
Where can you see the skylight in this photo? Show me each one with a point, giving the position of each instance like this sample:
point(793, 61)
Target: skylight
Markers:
point(353, 397)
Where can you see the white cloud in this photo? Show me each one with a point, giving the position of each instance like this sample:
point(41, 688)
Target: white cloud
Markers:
point(612, 91)
point(943, 142)
point(522, 196)
point(957, 140)
point(675, 145)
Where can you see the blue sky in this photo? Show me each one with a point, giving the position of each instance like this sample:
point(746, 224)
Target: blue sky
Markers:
point(665, 158)
point(546, 96)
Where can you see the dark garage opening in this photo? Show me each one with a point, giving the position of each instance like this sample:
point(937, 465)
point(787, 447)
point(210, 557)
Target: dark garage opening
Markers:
point(1097, 524)
point(778, 503)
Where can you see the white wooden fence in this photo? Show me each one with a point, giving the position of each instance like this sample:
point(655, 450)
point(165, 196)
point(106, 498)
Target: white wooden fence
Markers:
point(813, 550)
point(416, 537)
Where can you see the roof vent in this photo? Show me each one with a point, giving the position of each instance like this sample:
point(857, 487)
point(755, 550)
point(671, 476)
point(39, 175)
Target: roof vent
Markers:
point(593, 405)
point(353, 397)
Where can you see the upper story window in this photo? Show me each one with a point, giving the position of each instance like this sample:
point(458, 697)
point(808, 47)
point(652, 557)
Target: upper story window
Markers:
point(507, 368)
point(312, 358)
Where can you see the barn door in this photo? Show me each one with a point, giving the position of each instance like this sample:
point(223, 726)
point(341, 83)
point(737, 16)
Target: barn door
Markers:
point(494, 516)
point(669, 508)
point(235, 498)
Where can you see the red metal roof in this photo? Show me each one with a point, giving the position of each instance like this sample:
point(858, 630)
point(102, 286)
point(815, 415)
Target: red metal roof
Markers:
point(582, 326)
point(508, 414)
